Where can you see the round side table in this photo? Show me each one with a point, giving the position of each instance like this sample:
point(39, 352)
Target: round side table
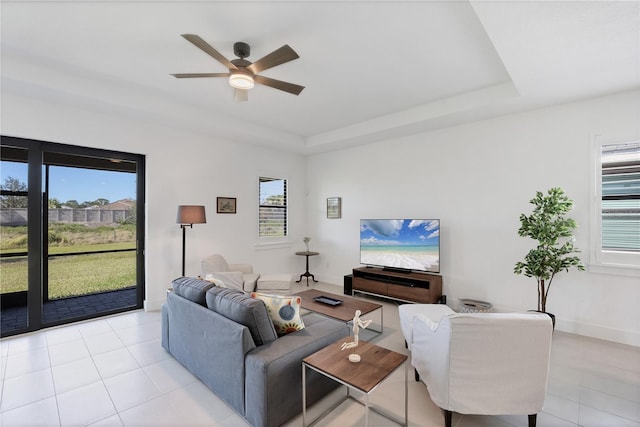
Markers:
point(306, 274)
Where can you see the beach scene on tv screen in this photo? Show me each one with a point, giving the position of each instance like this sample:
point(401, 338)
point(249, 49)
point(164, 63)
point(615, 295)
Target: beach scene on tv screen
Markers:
point(412, 244)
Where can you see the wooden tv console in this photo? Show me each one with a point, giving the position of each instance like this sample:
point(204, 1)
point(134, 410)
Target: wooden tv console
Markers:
point(423, 288)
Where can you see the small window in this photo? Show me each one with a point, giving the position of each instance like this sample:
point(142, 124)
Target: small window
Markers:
point(618, 205)
point(621, 197)
point(272, 213)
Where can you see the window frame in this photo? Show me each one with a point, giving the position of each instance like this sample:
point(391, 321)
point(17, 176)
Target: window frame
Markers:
point(264, 239)
point(617, 262)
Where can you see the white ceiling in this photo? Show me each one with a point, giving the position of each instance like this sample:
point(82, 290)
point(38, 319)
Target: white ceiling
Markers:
point(372, 70)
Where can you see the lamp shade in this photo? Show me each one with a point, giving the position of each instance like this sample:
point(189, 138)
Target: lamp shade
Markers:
point(191, 214)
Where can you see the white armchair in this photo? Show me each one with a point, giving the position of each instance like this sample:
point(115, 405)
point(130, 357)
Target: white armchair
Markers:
point(240, 276)
point(484, 363)
point(407, 312)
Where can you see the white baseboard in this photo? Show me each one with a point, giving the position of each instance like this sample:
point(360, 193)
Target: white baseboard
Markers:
point(153, 305)
point(622, 336)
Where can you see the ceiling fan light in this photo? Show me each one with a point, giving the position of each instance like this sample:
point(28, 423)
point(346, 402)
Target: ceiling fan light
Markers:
point(241, 81)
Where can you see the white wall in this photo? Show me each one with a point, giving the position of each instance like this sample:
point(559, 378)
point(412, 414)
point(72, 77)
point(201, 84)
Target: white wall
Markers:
point(478, 178)
point(181, 168)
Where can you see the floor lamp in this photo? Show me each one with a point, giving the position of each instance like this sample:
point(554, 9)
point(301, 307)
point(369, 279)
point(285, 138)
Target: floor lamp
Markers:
point(187, 216)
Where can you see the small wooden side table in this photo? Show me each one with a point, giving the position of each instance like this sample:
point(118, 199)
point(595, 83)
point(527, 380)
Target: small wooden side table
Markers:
point(376, 365)
point(306, 274)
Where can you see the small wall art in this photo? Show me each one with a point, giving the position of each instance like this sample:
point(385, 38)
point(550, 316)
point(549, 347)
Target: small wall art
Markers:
point(334, 207)
point(226, 205)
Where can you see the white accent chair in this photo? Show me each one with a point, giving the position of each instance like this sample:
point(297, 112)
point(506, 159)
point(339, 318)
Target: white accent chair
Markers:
point(235, 275)
point(408, 311)
point(484, 363)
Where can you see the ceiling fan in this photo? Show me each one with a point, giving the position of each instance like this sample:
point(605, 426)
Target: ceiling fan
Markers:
point(243, 74)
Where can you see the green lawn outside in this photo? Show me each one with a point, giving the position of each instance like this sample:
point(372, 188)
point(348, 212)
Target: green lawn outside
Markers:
point(54, 250)
point(64, 238)
point(76, 275)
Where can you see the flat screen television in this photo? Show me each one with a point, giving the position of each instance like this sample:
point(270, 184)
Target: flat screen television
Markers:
point(401, 244)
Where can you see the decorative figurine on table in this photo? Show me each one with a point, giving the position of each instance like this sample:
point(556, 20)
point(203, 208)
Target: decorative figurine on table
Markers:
point(357, 324)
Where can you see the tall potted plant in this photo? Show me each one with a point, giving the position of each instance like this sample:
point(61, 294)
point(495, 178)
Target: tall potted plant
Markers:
point(548, 225)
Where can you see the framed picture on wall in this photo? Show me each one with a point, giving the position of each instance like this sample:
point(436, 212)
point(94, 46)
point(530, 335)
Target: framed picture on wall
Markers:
point(226, 205)
point(334, 207)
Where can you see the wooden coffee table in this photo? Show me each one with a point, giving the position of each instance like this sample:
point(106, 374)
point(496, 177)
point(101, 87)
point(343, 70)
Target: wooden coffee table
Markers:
point(376, 364)
point(343, 311)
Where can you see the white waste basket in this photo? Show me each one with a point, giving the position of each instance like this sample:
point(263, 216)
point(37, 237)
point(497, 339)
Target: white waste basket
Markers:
point(475, 306)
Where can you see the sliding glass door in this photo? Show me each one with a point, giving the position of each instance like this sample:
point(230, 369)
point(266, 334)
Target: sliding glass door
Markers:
point(91, 236)
point(14, 248)
point(87, 258)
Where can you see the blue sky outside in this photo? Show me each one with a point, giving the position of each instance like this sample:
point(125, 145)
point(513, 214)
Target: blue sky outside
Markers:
point(271, 188)
point(82, 185)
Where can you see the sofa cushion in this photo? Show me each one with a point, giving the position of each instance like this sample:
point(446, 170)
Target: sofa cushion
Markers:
point(191, 288)
point(241, 308)
point(284, 311)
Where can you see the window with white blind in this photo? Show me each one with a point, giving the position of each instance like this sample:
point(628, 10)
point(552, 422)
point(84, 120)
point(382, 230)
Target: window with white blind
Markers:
point(617, 210)
point(272, 211)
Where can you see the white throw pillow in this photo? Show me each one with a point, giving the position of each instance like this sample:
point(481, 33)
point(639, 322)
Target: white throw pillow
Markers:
point(211, 278)
point(230, 279)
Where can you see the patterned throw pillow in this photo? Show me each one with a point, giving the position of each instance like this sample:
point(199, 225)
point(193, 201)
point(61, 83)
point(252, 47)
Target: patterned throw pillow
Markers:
point(284, 312)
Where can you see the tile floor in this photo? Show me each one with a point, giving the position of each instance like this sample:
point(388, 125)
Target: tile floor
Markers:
point(15, 318)
point(113, 372)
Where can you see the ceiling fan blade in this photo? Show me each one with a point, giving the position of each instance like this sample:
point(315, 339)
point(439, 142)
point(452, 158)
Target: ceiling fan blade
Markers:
point(278, 84)
point(240, 95)
point(206, 47)
point(192, 75)
point(277, 57)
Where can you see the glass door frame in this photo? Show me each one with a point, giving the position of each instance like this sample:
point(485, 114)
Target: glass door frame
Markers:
point(37, 234)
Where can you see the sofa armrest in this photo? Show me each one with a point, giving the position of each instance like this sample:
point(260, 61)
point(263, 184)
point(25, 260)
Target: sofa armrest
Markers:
point(250, 281)
point(273, 376)
point(209, 345)
point(248, 277)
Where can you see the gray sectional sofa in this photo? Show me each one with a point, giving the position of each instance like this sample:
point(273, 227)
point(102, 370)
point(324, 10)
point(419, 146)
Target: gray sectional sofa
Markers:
point(226, 339)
